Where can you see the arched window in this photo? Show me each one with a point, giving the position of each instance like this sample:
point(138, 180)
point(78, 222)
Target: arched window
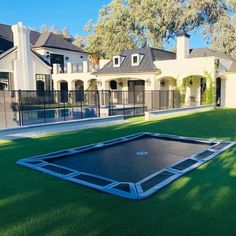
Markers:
point(113, 84)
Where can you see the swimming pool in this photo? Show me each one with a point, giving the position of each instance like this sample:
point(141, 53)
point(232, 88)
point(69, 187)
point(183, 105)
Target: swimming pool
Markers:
point(134, 166)
point(40, 116)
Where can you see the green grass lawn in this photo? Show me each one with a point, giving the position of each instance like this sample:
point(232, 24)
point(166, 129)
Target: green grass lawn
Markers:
point(202, 202)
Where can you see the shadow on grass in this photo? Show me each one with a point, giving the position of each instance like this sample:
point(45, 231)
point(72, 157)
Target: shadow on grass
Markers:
point(200, 203)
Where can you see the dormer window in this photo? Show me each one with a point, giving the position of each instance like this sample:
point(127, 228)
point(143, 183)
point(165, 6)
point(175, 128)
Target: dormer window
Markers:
point(117, 61)
point(136, 59)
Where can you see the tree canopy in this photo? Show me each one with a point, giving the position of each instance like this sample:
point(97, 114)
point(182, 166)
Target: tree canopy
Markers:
point(125, 24)
point(222, 34)
point(64, 32)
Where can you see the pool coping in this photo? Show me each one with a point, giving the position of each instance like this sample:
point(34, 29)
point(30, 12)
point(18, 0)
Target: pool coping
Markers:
point(135, 190)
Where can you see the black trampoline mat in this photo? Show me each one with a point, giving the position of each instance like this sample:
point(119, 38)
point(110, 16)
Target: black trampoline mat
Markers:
point(133, 160)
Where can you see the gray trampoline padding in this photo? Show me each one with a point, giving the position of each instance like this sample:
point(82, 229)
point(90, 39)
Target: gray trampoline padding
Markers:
point(156, 180)
point(93, 180)
point(184, 164)
point(57, 169)
point(220, 145)
point(34, 162)
point(131, 161)
point(123, 187)
point(204, 154)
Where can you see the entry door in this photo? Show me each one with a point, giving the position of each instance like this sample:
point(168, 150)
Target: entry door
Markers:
point(40, 88)
point(218, 92)
point(64, 92)
point(136, 91)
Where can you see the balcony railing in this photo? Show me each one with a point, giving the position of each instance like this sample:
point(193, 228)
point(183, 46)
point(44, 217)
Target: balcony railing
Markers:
point(77, 68)
point(84, 67)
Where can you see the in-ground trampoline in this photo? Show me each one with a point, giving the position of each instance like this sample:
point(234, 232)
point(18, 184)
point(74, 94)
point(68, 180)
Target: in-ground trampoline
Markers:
point(133, 167)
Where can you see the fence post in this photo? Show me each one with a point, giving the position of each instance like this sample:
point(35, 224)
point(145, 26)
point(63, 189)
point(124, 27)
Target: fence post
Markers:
point(134, 101)
point(5, 110)
point(64, 102)
point(143, 102)
point(160, 99)
point(98, 103)
point(20, 108)
point(44, 107)
point(81, 105)
point(173, 100)
point(152, 100)
point(124, 100)
point(110, 103)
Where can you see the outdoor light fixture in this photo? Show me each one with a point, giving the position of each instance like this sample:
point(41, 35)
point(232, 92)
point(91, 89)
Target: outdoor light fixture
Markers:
point(148, 82)
point(162, 83)
point(99, 83)
point(67, 58)
point(48, 55)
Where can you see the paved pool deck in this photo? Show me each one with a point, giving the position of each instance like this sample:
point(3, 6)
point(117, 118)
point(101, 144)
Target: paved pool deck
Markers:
point(58, 127)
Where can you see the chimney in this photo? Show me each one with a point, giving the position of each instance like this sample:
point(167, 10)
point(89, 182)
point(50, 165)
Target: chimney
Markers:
point(24, 77)
point(182, 45)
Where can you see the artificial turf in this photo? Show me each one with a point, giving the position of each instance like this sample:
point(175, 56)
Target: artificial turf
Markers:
point(201, 203)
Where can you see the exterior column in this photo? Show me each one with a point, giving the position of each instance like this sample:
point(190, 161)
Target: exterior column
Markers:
point(23, 67)
point(69, 67)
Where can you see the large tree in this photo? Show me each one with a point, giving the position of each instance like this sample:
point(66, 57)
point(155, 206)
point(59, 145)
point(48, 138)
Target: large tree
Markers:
point(222, 34)
point(124, 24)
point(53, 29)
point(113, 31)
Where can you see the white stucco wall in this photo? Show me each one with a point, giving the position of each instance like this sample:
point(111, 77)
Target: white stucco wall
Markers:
point(74, 57)
point(70, 78)
point(6, 63)
point(23, 63)
point(182, 68)
point(229, 91)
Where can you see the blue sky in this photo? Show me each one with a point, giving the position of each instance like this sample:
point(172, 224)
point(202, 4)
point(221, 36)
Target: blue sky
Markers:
point(72, 14)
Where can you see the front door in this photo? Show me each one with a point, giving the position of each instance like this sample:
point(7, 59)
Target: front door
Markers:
point(218, 92)
point(136, 91)
point(40, 88)
point(64, 92)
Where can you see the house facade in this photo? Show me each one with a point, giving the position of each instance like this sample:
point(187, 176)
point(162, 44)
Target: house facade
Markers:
point(33, 61)
point(28, 58)
point(156, 69)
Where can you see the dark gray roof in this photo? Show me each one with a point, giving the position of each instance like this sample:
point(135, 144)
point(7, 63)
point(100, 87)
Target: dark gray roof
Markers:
point(36, 39)
point(206, 52)
point(6, 38)
point(51, 40)
point(146, 65)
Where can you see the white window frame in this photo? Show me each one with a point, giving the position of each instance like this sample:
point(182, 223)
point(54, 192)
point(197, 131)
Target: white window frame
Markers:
point(139, 59)
point(119, 61)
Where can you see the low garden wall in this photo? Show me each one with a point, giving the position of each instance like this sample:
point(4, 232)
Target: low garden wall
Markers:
point(186, 110)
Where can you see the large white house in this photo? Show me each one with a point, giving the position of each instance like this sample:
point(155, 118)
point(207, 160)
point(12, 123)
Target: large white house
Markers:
point(33, 61)
point(27, 58)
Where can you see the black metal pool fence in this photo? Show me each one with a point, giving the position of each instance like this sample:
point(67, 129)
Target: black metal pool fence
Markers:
point(19, 108)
